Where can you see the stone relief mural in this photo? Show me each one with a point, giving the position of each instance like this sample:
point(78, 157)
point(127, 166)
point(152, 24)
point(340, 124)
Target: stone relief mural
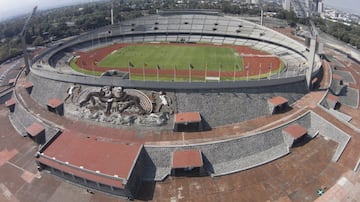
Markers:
point(119, 106)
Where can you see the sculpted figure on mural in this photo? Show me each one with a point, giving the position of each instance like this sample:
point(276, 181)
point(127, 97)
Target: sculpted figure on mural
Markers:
point(116, 100)
point(121, 101)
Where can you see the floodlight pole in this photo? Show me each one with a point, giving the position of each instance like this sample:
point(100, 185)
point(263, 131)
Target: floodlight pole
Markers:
point(112, 12)
point(313, 52)
point(247, 75)
point(129, 70)
point(270, 67)
point(259, 72)
point(157, 74)
point(189, 74)
point(174, 72)
point(143, 72)
point(23, 42)
point(247, 72)
point(234, 73)
point(220, 66)
point(206, 69)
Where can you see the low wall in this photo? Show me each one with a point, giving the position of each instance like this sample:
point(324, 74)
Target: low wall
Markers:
point(113, 81)
point(241, 153)
point(226, 156)
point(5, 95)
point(332, 132)
point(21, 119)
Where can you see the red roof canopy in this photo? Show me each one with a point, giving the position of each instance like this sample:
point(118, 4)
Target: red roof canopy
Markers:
point(54, 103)
point(187, 159)
point(28, 84)
point(35, 129)
point(278, 100)
point(188, 117)
point(295, 130)
point(81, 150)
point(10, 102)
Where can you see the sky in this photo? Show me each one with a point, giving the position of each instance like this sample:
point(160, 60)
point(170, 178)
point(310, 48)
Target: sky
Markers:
point(352, 6)
point(10, 8)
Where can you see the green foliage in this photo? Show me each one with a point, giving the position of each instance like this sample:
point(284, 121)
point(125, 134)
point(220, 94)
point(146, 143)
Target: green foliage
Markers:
point(38, 41)
point(289, 16)
point(346, 33)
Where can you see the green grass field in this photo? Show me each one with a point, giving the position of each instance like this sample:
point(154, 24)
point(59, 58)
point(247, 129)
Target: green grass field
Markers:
point(168, 56)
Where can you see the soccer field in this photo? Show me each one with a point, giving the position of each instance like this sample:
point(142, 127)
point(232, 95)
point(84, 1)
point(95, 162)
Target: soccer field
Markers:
point(168, 57)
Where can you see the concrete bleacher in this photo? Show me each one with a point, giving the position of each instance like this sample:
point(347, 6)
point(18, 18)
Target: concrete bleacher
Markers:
point(46, 89)
point(247, 103)
point(347, 76)
point(157, 163)
point(241, 153)
point(350, 97)
point(169, 29)
point(230, 30)
point(222, 157)
point(347, 95)
point(246, 152)
point(226, 156)
point(251, 161)
point(340, 115)
point(21, 119)
point(330, 131)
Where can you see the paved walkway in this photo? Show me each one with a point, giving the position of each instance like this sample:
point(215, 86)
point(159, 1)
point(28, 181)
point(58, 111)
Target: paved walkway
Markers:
point(347, 188)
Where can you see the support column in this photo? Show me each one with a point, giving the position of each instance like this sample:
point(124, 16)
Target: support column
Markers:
point(311, 61)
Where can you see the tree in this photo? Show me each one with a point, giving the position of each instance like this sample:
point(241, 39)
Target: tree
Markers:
point(38, 41)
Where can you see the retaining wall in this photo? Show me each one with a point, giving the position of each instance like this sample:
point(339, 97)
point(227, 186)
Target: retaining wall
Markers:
point(332, 132)
point(228, 156)
point(113, 81)
point(21, 119)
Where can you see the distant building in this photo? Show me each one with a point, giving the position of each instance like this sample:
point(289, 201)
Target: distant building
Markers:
point(252, 1)
point(320, 7)
point(287, 5)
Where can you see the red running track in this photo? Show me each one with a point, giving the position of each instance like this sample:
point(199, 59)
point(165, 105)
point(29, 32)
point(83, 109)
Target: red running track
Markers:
point(255, 62)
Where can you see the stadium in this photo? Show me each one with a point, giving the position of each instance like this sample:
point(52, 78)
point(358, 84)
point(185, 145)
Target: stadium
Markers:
point(188, 93)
